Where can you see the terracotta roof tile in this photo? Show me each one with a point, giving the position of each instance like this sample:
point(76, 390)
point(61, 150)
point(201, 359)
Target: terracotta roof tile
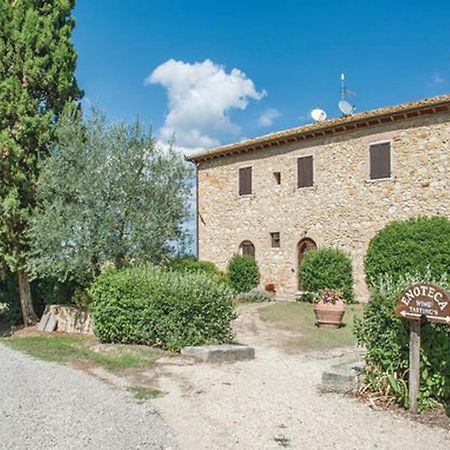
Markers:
point(332, 126)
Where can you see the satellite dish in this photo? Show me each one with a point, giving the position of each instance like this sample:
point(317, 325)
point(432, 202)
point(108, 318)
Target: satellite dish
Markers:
point(345, 107)
point(318, 115)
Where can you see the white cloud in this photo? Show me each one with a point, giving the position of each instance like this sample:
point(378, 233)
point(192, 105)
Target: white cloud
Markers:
point(438, 78)
point(268, 117)
point(201, 96)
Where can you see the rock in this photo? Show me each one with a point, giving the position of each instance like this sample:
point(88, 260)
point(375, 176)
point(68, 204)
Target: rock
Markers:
point(70, 319)
point(220, 353)
point(43, 322)
point(343, 377)
point(51, 323)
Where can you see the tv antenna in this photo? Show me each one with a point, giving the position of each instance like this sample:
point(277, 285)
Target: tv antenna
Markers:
point(318, 115)
point(346, 108)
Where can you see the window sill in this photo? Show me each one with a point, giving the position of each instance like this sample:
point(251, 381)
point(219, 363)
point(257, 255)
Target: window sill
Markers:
point(379, 180)
point(247, 195)
point(307, 188)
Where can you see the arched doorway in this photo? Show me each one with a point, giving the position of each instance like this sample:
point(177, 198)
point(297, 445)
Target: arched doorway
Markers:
point(247, 248)
point(303, 246)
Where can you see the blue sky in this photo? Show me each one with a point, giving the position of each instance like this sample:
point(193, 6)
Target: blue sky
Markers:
point(288, 55)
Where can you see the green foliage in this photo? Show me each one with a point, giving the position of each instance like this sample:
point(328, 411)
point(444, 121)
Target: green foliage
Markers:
point(147, 305)
point(327, 268)
point(37, 83)
point(386, 339)
point(190, 264)
point(78, 350)
point(243, 273)
point(417, 245)
point(107, 195)
point(9, 296)
point(254, 296)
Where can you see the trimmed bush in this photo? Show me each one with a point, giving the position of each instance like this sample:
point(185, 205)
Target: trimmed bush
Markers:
point(417, 245)
point(147, 305)
point(327, 268)
point(386, 339)
point(243, 273)
point(254, 296)
point(191, 265)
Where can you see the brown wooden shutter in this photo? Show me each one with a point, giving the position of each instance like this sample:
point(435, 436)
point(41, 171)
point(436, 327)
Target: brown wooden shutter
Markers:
point(305, 174)
point(380, 161)
point(245, 181)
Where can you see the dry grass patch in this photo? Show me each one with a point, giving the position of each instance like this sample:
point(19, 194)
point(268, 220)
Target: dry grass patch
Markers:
point(298, 320)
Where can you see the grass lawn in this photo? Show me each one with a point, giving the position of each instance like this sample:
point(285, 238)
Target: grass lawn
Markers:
point(85, 351)
point(298, 318)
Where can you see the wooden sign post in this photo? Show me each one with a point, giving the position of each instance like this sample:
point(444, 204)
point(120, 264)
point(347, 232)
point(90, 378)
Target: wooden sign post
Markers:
point(421, 303)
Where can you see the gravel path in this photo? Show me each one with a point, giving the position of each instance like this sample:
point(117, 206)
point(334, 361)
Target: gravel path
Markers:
point(273, 402)
point(48, 406)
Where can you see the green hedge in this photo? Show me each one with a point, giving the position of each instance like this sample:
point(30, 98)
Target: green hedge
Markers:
point(243, 273)
point(192, 265)
point(148, 305)
point(386, 339)
point(326, 268)
point(412, 246)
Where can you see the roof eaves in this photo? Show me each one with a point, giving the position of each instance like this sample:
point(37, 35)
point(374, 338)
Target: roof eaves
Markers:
point(333, 126)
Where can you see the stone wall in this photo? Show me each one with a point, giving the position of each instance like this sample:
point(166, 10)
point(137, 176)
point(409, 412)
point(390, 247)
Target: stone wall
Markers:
point(343, 209)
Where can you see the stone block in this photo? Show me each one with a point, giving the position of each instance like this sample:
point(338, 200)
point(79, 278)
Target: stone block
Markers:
point(220, 353)
point(51, 324)
point(344, 377)
point(43, 322)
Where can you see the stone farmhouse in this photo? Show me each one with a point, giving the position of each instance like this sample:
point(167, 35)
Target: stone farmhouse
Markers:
point(331, 183)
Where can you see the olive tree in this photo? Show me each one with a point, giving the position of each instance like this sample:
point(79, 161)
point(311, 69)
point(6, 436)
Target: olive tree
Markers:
point(107, 195)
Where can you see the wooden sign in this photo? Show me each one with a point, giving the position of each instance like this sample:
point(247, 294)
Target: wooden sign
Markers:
point(424, 301)
point(418, 303)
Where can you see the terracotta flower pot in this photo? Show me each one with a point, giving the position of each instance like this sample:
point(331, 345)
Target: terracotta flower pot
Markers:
point(329, 315)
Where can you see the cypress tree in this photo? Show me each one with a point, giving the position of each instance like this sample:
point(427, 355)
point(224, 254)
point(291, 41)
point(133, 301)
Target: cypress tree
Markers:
point(37, 84)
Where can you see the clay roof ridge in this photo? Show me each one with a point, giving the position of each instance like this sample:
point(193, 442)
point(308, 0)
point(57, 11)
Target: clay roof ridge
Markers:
point(330, 126)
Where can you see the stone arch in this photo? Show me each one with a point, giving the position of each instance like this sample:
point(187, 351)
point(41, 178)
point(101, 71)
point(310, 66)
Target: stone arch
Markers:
point(247, 248)
point(303, 246)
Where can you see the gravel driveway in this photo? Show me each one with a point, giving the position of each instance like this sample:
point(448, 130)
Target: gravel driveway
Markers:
point(48, 406)
point(273, 402)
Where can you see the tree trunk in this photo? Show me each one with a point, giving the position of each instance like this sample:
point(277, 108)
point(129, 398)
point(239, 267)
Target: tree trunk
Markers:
point(29, 316)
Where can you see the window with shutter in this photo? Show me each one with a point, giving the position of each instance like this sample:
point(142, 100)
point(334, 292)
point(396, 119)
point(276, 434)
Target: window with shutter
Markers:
point(245, 181)
point(380, 161)
point(305, 175)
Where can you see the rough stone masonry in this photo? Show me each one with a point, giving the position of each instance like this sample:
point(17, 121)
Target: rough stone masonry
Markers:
point(343, 208)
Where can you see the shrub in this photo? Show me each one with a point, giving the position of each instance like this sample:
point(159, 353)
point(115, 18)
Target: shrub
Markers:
point(147, 305)
point(386, 338)
point(412, 246)
point(327, 268)
point(254, 296)
point(191, 265)
point(243, 273)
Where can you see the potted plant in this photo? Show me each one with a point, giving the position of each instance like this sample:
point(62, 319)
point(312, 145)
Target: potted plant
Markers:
point(270, 289)
point(329, 308)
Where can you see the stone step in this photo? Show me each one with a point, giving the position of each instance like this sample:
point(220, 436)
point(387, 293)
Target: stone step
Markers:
point(220, 353)
point(343, 377)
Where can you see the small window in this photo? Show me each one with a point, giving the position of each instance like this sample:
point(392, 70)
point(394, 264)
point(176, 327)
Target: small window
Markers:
point(245, 181)
point(305, 171)
point(247, 248)
point(277, 176)
point(380, 161)
point(275, 237)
